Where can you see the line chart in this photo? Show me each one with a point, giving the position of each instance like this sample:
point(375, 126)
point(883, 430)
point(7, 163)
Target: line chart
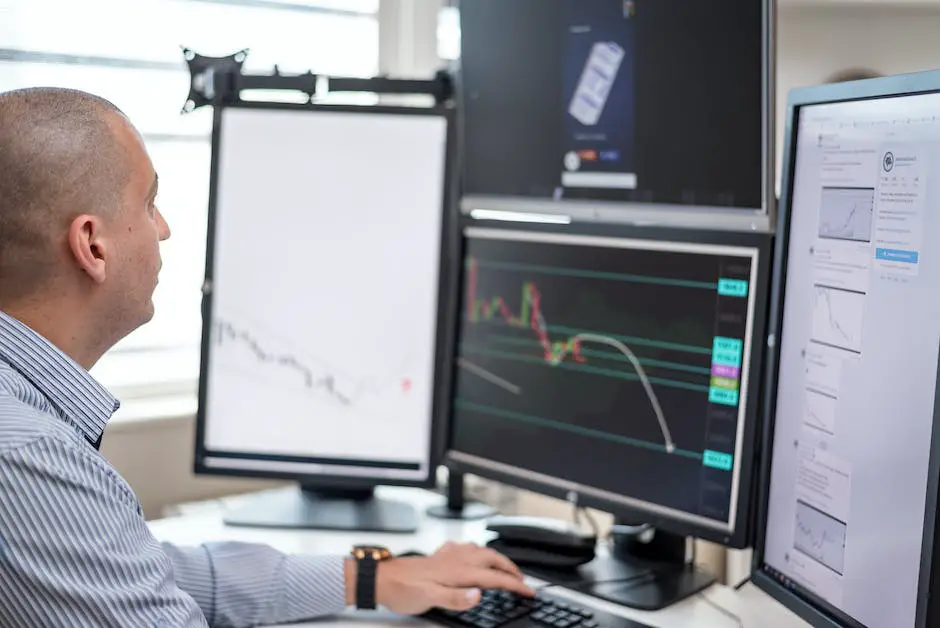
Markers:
point(554, 352)
point(820, 536)
point(846, 214)
point(225, 332)
point(820, 411)
point(479, 371)
point(838, 317)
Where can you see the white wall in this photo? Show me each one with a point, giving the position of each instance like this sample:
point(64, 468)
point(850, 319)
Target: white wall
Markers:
point(156, 458)
point(814, 42)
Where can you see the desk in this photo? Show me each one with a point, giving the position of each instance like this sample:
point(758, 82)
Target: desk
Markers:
point(205, 524)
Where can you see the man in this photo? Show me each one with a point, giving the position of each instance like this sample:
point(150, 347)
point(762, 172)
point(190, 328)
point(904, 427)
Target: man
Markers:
point(79, 259)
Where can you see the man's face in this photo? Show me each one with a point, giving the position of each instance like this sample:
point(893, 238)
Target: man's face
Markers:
point(140, 229)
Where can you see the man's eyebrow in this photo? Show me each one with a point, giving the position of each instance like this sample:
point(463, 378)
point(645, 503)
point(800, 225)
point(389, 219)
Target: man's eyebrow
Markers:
point(153, 188)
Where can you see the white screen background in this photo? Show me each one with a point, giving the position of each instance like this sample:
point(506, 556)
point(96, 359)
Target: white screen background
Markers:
point(327, 255)
point(868, 464)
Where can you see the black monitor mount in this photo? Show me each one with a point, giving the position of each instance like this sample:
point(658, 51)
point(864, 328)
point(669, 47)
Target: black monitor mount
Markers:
point(457, 506)
point(220, 80)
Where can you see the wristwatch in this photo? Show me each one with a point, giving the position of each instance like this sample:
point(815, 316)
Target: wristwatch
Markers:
point(367, 558)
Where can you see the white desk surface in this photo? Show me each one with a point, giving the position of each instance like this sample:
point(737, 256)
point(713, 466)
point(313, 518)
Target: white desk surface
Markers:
point(750, 604)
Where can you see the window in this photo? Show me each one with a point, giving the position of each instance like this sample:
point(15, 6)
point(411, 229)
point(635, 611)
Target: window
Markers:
point(448, 33)
point(130, 53)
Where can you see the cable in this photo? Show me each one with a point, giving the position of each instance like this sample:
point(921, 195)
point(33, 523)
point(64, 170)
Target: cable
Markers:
point(580, 583)
point(591, 522)
point(741, 584)
point(721, 609)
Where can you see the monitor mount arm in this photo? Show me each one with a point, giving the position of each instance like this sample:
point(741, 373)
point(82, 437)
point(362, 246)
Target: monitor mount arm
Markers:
point(220, 80)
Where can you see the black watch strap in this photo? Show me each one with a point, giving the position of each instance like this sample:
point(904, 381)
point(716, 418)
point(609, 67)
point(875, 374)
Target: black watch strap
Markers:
point(366, 568)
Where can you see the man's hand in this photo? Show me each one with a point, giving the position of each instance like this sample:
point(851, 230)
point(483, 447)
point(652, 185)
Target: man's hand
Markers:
point(451, 578)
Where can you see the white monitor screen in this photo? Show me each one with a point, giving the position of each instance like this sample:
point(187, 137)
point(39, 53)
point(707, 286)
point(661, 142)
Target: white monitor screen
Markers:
point(325, 258)
point(858, 358)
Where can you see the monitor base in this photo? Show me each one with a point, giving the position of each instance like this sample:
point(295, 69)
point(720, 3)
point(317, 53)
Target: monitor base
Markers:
point(634, 585)
point(312, 508)
point(646, 575)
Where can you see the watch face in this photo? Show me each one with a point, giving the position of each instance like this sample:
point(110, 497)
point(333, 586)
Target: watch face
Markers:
point(375, 552)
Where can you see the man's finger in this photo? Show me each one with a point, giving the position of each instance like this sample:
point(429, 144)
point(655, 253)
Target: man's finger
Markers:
point(459, 599)
point(486, 557)
point(483, 578)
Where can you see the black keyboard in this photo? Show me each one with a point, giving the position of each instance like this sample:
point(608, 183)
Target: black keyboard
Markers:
point(500, 608)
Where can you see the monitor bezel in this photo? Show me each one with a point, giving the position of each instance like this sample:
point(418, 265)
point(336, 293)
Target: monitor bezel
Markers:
point(738, 535)
point(805, 604)
point(732, 218)
point(436, 435)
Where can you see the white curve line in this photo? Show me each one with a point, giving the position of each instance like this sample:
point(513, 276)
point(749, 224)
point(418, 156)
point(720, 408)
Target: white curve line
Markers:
point(490, 377)
point(650, 393)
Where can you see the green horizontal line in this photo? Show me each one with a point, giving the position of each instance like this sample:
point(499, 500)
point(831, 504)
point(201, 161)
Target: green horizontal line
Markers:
point(614, 355)
point(585, 368)
point(594, 274)
point(630, 340)
point(574, 429)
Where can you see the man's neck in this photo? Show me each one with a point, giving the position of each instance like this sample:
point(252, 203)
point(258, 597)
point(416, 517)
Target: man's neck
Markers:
point(65, 332)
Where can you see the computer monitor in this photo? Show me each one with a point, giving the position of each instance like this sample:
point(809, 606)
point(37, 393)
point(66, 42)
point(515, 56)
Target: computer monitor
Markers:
point(327, 238)
point(593, 107)
point(847, 519)
point(617, 368)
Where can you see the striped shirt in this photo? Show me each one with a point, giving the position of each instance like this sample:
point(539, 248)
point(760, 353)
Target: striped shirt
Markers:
point(74, 546)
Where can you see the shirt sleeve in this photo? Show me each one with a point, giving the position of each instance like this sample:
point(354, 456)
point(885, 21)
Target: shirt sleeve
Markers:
point(75, 550)
point(244, 584)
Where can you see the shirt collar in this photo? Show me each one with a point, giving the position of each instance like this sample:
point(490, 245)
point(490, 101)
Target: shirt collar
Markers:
point(80, 398)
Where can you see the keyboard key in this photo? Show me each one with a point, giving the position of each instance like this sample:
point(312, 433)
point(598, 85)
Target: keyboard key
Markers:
point(500, 609)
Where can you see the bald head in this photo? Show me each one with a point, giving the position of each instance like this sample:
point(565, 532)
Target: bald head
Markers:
point(59, 158)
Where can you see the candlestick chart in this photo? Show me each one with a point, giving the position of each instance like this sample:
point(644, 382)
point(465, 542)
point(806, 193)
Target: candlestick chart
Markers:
point(610, 351)
point(553, 352)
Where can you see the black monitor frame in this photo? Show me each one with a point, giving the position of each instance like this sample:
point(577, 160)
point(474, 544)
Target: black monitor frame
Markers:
point(336, 481)
point(808, 606)
point(740, 536)
point(729, 218)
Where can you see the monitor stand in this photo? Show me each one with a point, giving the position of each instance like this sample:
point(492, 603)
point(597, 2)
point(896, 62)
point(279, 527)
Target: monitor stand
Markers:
point(645, 574)
point(318, 508)
point(456, 506)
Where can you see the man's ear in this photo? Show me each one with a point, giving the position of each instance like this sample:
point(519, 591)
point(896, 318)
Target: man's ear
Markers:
point(88, 247)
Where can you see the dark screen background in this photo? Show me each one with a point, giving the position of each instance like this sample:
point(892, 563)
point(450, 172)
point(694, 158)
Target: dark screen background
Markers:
point(582, 421)
point(696, 98)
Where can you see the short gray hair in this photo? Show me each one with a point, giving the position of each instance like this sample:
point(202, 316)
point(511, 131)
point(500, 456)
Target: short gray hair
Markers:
point(59, 158)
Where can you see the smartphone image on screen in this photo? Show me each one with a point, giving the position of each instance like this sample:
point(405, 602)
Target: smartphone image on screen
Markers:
point(597, 78)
